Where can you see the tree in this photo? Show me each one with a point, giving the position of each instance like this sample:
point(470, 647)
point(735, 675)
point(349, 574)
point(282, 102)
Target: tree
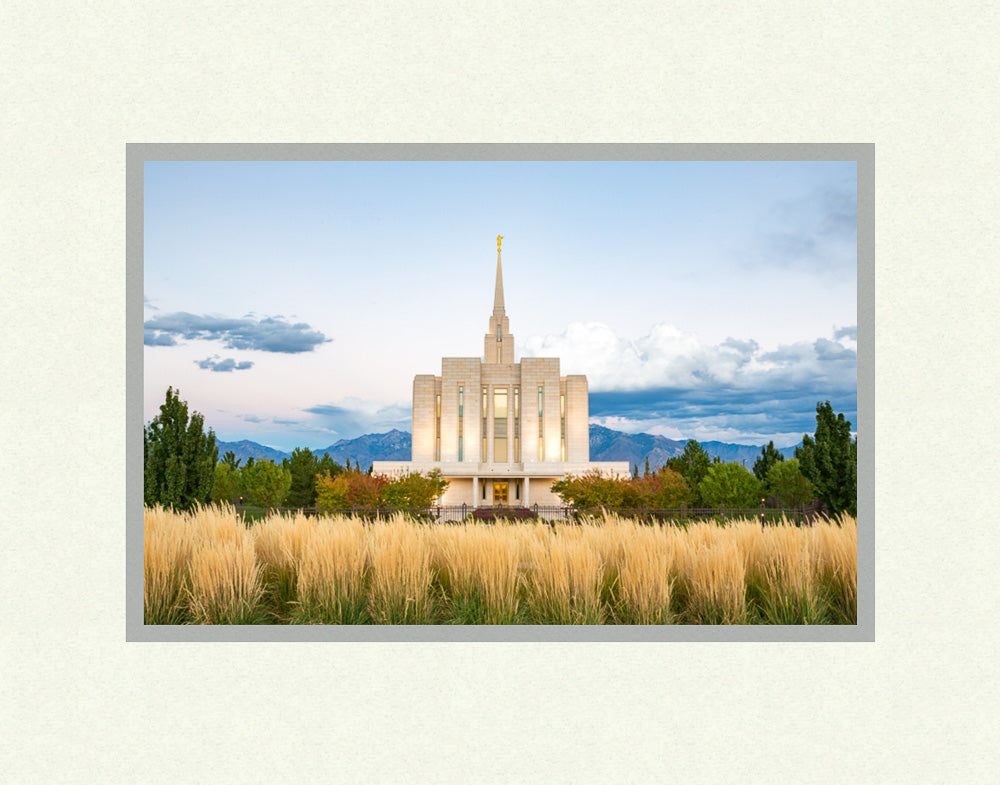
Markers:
point(303, 467)
point(693, 465)
point(326, 465)
point(666, 489)
point(788, 485)
point(730, 484)
point(226, 484)
point(178, 457)
point(830, 461)
point(415, 490)
point(350, 489)
point(591, 491)
point(645, 471)
point(231, 459)
point(332, 490)
point(265, 483)
point(768, 457)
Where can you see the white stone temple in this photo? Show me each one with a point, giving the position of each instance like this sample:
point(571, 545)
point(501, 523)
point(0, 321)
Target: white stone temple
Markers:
point(500, 431)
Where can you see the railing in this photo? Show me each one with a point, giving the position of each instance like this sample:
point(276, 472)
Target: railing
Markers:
point(806, 514)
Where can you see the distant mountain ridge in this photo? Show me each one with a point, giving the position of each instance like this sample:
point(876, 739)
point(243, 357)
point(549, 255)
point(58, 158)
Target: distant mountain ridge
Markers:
point(609, 445)
point(605, 445)
point(248, 449)
point(391, 446)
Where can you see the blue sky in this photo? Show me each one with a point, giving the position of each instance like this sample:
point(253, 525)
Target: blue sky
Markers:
point(292, 303)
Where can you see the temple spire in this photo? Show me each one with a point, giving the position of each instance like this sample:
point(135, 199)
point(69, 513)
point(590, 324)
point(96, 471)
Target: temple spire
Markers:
point(498, 345)
point(498, 309)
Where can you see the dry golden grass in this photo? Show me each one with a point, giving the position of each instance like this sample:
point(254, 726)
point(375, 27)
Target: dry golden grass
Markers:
point(835, 548)
point(400, 582)
point(564, 578)
point(225, 583)
point(481, 566)
point(208, 567)
point(330, 582)
point(713, 571)
point(646, 575)
point(167, 544)
point(280, 542)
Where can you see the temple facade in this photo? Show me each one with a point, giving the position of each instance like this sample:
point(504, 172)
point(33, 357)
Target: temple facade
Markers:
point(500, 431)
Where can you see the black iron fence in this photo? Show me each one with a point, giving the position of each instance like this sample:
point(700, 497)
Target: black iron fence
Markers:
point(463, 513)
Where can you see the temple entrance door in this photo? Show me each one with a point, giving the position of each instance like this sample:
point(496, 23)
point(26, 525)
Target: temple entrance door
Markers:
point(500, 492)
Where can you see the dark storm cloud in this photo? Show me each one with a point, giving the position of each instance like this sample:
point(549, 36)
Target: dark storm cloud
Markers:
point(266, 335)
point(791, 410)
point(223, 366)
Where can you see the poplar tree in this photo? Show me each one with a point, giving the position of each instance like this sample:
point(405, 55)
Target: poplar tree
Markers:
point(830, 461)
point(178, 457)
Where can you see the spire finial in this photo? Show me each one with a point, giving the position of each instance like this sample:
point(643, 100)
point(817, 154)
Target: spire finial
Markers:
point(499, 238)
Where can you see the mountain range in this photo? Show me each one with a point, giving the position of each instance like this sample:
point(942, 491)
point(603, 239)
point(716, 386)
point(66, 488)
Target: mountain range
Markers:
point(605, 445)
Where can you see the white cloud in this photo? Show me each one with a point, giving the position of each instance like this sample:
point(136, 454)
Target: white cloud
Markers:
point(669, 358)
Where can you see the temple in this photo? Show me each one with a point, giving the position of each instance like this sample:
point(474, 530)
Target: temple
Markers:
point(500, 431)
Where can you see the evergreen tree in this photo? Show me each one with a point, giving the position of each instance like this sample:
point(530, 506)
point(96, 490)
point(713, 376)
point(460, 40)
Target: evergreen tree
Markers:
point(178, 457)
point(303, 468)
point(692, 464)
point(326, 465)
point(769, 456)
point(830, 461)
point(645, 471)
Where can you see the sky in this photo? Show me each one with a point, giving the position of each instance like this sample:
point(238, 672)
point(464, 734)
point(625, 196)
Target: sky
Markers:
point(292, 302)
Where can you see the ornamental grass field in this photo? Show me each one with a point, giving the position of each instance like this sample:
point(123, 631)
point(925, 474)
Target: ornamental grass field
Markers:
point(208, 567)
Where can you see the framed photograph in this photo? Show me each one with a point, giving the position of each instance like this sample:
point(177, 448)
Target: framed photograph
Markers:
point(595, 392)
